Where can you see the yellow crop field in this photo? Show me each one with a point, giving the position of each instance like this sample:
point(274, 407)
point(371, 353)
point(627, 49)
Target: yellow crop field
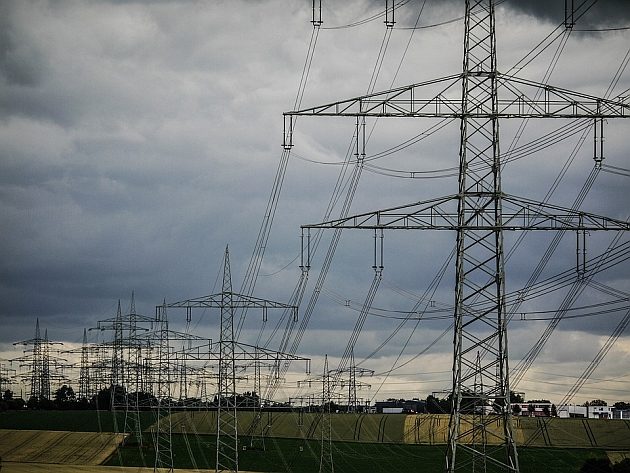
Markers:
point(38, 446)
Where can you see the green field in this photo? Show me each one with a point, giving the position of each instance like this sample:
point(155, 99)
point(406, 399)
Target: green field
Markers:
point(361, 443)
point(302, 456)
point(71, 421)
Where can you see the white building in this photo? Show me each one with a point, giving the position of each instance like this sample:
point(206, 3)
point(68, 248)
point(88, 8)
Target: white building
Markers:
point(621, 414)
point(587, 412)
point(532, 409)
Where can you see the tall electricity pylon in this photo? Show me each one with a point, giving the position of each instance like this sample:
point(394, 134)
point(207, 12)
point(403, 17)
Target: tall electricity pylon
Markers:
point(43, 364)
point(476, 213)
point(228, 351)
point(163, 431)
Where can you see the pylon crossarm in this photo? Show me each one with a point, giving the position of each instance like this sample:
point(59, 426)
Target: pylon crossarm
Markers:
point(441, 214)
point(400, 101)
point(237, 301)
point(518, 98)
point(535, 215)
point(554, 102)
point(424, 214)
point(244, 351)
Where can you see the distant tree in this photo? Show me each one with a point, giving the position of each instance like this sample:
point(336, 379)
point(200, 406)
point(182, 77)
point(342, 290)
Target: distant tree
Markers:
point(516, 398)
point(554, 411)
point(531, 409)
point(621, 405)
point(516, 409)
point(622, 467)
point(436, 405)
point(16, 404)
point(596, 402)
point(64, 397)
point(41, 402)
point(596, 465)
point(546, 411)
point(7, 395)
point(103, 399)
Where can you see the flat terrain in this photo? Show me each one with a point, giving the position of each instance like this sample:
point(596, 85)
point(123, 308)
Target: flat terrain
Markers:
point(77, 441)
point(11, 467)
point(81, 448)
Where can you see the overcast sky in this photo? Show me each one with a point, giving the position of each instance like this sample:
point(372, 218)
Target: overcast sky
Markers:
point(138, 139)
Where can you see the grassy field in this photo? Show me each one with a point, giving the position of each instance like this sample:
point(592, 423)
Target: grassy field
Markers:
point(361, 443)
point(302, 456)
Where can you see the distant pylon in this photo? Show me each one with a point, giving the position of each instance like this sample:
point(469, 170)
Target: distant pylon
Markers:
point(84, 369)
point(163, 431)
point(38, 359)
point(227, 424)
point(326, 463)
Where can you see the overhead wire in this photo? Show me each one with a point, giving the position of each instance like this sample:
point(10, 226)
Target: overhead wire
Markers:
point(255, 262)
point(350, 192)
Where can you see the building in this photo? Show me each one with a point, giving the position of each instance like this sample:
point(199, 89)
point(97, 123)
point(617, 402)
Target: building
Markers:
point(532, 409)
point(621, 413)
point(399, 406)
point(586, 412)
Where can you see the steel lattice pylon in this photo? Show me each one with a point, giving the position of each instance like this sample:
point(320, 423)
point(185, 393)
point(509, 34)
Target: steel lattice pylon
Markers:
point(227, 426)
point(163, 430)
point(475, 213)
point(228, 352)
point(479, 273)
point(39, 360)
point(84, 373)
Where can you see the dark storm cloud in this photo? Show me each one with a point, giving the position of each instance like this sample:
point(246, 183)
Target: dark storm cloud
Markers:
point(589, 14)
point(20, 62)
point(138, 138)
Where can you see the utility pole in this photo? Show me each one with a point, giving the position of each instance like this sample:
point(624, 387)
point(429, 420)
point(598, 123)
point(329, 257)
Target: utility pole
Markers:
point(476, 214)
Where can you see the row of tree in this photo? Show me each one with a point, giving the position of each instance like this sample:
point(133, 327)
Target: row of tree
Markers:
point(65, 398)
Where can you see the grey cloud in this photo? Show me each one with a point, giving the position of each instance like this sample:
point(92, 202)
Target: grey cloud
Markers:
point(21, 62)
point(599, 14)
point(143, 150)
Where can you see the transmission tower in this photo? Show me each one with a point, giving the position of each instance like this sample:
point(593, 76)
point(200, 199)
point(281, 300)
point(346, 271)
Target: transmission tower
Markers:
point(351, 373)
point(228, 351)
point(326, 463)
point(39, 359)
point(84, 369)
point(163, 430)
point(6, 378)
point(476, 213)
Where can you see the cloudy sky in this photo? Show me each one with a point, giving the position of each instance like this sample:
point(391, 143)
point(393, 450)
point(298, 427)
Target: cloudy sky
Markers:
point(138, 139)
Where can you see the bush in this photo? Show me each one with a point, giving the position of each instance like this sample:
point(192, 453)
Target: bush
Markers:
point(596, 465)
point(622, 467)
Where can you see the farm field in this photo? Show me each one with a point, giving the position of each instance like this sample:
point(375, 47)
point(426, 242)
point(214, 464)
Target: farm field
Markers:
point(37, 446)
point(370, 442)
point(302, 456)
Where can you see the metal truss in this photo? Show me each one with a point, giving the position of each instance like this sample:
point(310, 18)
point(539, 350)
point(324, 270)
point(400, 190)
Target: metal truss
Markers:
point(326, 461)
point(352, 372)
point(43, 364)
point(228, 351)
point(520, 98)
point(442, 214)
point(479, 214)
point(7, 375)
point(163, 429)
